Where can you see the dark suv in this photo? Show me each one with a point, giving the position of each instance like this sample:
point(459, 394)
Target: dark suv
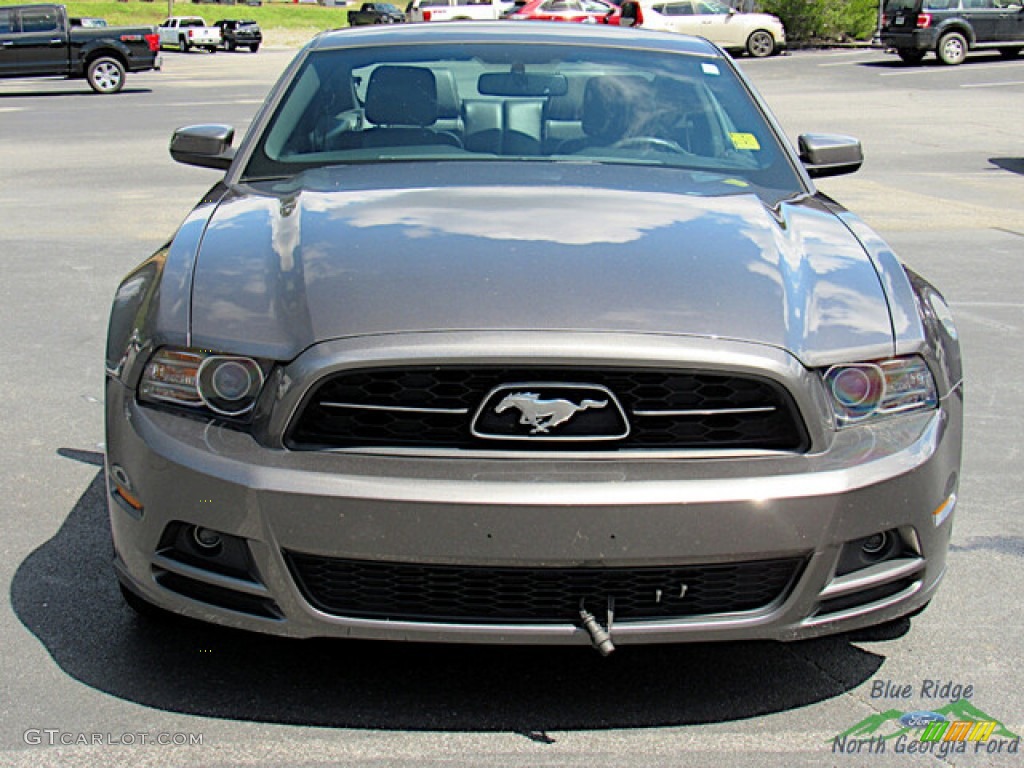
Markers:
point(951, 28)
point(240, 34)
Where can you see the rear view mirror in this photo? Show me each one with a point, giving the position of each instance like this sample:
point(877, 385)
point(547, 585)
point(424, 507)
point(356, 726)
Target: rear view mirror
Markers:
point(208, 146)
point(830, 155)
point(522, 84)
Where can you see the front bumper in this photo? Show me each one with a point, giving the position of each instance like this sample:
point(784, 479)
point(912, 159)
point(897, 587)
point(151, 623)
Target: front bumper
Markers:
point(530, 512)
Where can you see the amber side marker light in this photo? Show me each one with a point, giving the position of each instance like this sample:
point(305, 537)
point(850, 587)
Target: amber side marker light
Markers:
point(130, 498)
point(944, 510)
point(122, 487)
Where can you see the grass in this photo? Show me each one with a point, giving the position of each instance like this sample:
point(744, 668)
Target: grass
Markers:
point(305, 18)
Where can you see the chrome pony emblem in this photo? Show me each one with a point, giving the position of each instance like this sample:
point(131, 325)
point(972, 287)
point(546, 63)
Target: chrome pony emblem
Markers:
point(552, 412)
point(542, 415)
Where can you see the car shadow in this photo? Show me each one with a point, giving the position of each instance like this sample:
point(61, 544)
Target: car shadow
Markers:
point(1011, 164)
point(66, 595)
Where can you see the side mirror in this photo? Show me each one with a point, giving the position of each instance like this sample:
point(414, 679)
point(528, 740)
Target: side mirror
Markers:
point(208, 146)
point(829, 155)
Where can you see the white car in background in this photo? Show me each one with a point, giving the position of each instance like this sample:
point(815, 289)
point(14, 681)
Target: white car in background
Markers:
point(759, 34)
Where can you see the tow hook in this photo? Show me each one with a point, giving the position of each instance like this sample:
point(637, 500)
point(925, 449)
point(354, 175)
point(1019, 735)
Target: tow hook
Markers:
point(599, 636)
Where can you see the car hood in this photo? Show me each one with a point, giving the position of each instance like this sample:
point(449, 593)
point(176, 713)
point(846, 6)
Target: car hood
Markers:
point(416, 248)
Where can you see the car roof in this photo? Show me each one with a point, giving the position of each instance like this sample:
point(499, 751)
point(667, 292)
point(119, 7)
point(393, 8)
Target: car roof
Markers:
point(476, 32)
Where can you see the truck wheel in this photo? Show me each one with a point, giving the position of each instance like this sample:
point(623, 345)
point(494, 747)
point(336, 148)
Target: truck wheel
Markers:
point(230, 45)
point(254, 47)
point(911, 57)
point(952, 48)
point(760, 44)
point(183, 44)
point(105, 75)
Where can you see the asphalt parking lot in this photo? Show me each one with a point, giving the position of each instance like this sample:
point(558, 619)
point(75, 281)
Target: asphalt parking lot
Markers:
point(88, 191)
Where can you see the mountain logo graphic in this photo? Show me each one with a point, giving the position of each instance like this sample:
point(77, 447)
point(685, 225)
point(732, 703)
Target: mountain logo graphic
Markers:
point(893, 723)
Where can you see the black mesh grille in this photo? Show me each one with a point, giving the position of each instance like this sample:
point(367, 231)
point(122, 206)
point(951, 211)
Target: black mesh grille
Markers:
point(403, 591)
point(385, 408)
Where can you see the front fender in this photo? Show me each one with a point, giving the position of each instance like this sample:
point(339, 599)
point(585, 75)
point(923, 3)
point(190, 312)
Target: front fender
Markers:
point(152, 306)
point(941, 336)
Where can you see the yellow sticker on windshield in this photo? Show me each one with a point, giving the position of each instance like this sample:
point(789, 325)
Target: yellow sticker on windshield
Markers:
point(744, 141)
point(736, 182)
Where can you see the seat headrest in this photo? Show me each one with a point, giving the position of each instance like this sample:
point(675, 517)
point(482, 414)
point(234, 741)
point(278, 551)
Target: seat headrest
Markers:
point(447, 94)
point(401, 96)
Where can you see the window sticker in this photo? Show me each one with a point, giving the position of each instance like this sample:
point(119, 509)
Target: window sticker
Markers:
point(745, 141)
point(710, 69)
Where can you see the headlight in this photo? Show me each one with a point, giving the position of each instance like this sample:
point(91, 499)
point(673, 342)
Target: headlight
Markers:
point(227, 385)
point(862, 391)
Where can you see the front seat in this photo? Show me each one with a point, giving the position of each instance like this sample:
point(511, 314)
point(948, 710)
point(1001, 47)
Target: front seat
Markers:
point(401, 102)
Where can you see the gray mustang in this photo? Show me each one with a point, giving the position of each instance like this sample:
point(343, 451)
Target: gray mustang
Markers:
point(527, 334)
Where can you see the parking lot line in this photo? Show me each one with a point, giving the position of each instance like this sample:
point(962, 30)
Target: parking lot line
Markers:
point(991, 85)
point(939, 70)
point(220, 103)
point(847, 55)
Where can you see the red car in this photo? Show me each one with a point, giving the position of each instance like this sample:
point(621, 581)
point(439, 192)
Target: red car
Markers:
point(585, 11)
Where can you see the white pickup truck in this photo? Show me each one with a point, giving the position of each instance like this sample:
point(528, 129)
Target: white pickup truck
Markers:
point(457, 10)
point(187, 32)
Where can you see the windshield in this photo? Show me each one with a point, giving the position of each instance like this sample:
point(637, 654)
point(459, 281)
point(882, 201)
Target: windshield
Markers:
point(499, 102)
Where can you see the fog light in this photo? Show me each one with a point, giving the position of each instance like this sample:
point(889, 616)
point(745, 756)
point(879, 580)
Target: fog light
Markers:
point(206, 539)
point(870, 550)
point(208, 550)
point(872, 546)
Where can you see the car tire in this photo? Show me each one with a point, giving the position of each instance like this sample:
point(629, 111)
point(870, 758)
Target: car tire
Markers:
point(254, 47)
point(230, 46)
point(952, 49)
point(911, 57)
point(105, 74)
point(760, 44)
point(183, 44)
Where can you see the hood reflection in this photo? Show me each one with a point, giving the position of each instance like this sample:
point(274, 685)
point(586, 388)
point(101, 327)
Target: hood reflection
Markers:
point(331, 261)
point(525, 213)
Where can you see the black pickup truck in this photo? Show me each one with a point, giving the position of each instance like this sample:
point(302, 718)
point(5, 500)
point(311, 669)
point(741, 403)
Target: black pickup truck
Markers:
point(375, 13)
point(38, 41)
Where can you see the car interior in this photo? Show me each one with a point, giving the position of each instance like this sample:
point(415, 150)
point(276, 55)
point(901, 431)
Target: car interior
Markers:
point(343, 110)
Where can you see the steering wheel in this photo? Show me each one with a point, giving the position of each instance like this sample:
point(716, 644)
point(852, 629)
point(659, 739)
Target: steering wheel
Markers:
point(662, 145)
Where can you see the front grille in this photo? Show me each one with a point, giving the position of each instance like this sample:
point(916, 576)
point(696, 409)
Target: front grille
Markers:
point(435, 408)
point(473, 594)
